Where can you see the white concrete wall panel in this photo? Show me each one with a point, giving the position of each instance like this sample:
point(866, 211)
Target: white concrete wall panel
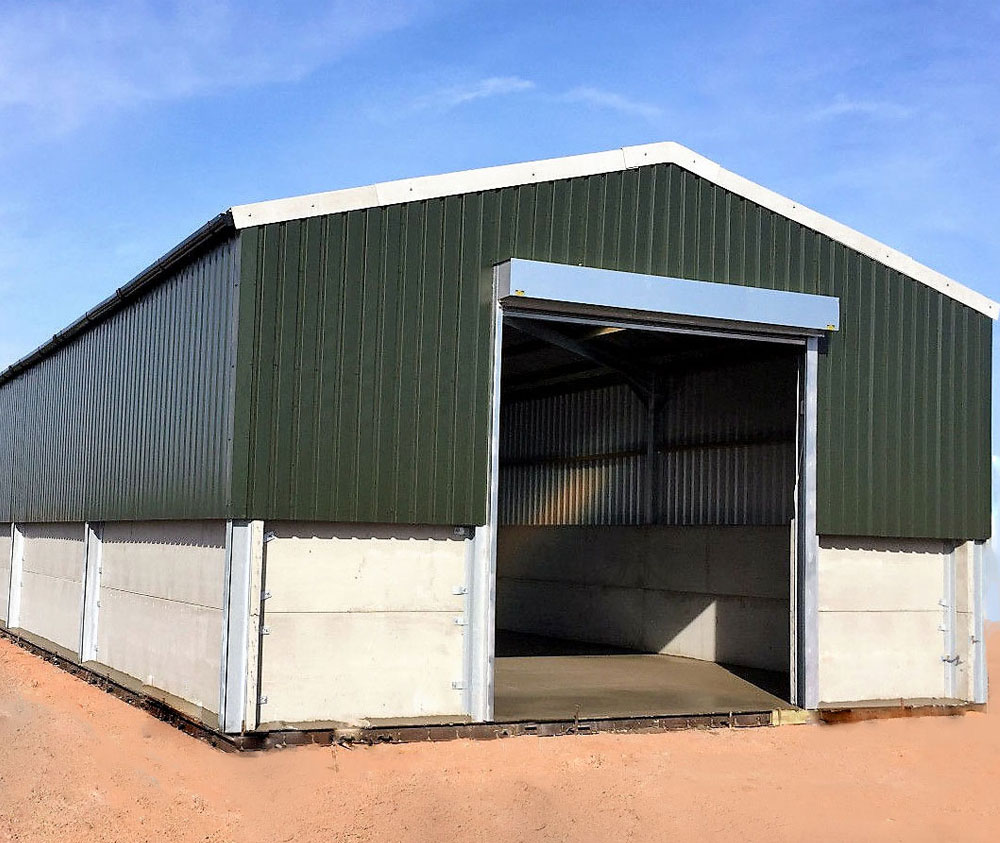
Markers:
point(5, 550)
point(180, 561)
point(714, 593)
point(352, 667)
point(52, 582)
point(174, 647)
point(880, 619)
point(879, 656)
point(161, 597)
point(878, 576)
point(314, 568)
point(361, 623)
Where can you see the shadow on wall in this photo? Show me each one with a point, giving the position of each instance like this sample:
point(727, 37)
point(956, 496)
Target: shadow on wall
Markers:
point(166, 534)
point(713, 593)
point(862, 543)
point(303, 530)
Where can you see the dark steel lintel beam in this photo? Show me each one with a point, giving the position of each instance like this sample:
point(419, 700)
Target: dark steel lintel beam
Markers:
point(635, 374)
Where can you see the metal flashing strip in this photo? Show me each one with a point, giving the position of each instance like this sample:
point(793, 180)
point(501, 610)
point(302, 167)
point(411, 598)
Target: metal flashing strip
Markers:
point(16, 577)
point(807, 552)
point(980, 684)
point(91, 595)
point(625, 158)
point(539, 281)
point(235, 626)
point(481, 598)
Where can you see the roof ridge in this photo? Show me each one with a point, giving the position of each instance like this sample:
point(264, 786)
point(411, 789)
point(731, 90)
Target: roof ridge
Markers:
point(398, 191)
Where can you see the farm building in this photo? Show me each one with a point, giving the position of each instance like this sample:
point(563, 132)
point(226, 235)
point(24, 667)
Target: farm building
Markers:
point(617, 435)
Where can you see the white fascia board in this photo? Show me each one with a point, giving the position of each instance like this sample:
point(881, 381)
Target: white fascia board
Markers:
point(710, 171)
point(426, 187)
point(626, 158)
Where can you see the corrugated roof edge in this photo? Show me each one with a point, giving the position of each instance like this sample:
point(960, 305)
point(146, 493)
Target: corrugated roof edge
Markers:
point(149, 277)
point(625, 158)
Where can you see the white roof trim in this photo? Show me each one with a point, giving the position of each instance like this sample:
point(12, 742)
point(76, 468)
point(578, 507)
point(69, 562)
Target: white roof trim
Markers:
point(629, 157)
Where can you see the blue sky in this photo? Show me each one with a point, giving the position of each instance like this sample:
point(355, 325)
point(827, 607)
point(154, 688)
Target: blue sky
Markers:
point(125, 125)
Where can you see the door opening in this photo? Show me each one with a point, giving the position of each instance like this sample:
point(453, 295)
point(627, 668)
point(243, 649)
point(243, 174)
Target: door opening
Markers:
point(645, 520)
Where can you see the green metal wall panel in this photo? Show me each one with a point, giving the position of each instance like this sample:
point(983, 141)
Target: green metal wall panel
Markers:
point(132, 419)
point(365, 365)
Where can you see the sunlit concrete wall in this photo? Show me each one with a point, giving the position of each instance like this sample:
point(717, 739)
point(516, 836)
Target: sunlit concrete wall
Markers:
point(160, 616)
point(883, 618)
point(361, 623)
point(52, 582)
point(714, 593)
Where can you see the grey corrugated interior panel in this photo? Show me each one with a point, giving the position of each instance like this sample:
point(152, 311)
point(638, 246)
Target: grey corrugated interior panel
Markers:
point(725, 452)
point(365, 351)
point(573, 458)
point(132, 418)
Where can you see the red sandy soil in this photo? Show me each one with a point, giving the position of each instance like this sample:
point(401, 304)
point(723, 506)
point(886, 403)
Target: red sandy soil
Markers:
point(77, 764)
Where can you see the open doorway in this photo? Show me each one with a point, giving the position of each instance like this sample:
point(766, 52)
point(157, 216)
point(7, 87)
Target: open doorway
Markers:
point(646, 496)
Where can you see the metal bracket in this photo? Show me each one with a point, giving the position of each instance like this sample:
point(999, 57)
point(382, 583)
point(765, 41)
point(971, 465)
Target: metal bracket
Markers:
point(459, 589)
point(951, 659)
point(265, 630)
point(268, 536)
point(458, 686)
point(266, 595)
point(262, 701)
point(461, 621)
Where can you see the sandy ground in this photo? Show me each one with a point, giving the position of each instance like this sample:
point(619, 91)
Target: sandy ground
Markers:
point(77, 764)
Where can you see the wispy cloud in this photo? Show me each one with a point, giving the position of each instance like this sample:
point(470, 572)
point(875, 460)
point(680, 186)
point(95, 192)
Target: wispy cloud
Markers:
point(62, 63)
point(843, 107)
point(456, 95)
point(615, 102)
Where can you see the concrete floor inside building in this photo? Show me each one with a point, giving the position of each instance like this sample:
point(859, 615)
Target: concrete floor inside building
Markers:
point(541, 678)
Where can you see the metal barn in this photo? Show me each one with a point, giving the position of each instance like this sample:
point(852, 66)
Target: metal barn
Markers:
point(612, 436)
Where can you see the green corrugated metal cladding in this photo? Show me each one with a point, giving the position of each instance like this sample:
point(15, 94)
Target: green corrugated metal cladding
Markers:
point(132, 418)
point(361, 345)
point(364, 363)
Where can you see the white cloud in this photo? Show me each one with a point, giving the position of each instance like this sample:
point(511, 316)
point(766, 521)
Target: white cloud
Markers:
point(843, 107)
point(615, 102)
point(456, 95)
point(64, 63)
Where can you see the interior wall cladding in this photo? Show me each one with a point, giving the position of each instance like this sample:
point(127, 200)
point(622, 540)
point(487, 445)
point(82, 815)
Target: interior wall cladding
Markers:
point(130, 420)
point(725, 455)
point(389, 309)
